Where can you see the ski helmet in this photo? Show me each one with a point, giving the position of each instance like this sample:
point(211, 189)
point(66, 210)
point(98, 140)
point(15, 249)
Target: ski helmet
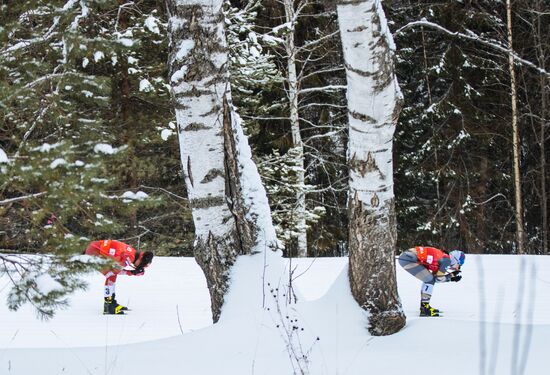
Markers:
point(144, 259)
point(457, 257)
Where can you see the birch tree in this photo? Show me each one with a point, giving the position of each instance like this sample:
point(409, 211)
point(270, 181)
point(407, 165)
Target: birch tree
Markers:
point(228, 202)
point(298, 145)
point(374, 101)
point(516, 141)
point(305, 40)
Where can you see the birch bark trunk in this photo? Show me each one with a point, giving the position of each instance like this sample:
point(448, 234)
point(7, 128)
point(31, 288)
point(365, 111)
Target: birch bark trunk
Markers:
point(300, 208)
point(211, 145)
point(520, 236)
point(374, 102)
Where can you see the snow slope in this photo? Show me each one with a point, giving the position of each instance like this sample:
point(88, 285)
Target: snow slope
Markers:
point(497, 321)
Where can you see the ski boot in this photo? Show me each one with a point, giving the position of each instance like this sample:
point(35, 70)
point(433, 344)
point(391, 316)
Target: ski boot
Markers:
point(110, 307)
point(123, 308)
point(427, 310)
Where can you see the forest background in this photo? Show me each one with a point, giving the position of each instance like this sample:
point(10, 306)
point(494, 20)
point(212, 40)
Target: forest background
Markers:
point(89, 147)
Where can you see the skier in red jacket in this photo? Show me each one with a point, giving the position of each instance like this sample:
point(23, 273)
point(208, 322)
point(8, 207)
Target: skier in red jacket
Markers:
point(131, 262)
point(431, 265)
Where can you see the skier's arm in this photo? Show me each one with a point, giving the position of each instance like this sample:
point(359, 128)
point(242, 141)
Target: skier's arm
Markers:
point(134, 272)
point(441, 275)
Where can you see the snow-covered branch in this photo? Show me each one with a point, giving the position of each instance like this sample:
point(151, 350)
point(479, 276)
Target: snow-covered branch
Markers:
point(324, 88)
point(472, 37)
point(48, 77)
point(21, 198)
point(29, 42)
point(313, 43)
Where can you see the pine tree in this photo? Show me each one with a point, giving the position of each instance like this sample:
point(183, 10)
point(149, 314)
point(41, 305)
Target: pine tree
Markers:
point(85, 130)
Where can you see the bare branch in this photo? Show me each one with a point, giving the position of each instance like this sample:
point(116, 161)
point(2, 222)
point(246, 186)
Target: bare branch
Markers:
point(472, 37)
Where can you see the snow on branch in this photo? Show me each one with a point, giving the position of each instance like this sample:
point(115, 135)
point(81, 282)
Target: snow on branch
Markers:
point(21, 198)
point(313, 43)
point(29, 42)
point(49, 77)
point(472, 37)
point(324, 88)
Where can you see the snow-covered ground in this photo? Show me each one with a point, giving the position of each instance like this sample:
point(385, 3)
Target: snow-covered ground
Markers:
point(496, 321)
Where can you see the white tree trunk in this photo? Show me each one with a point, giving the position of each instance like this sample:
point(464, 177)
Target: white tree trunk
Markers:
point(520, 235)
point(374, 101)
point(300, 208)
point(229, 206)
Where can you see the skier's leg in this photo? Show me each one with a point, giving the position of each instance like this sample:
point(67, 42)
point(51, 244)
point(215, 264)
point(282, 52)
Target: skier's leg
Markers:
point(110, 284)
point(109, 305)
point(410, 263)
point(426, 292)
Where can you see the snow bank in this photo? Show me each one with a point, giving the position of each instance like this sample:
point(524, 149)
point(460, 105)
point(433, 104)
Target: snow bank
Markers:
point(497, 317)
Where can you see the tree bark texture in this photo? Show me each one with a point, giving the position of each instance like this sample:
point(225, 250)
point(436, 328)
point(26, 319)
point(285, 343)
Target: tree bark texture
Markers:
point(516, 140)
point(300, 208)
point(544, 197)
point(374, 102)
point(199, 82)
point(543, 82)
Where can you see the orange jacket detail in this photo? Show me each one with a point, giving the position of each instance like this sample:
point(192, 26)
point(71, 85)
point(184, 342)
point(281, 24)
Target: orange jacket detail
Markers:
point(123, 254)
point(429, 257)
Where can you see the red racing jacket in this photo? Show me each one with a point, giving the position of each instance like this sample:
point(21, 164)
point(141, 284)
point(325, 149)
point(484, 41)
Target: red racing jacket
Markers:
point(433, 259)
point(123, 254)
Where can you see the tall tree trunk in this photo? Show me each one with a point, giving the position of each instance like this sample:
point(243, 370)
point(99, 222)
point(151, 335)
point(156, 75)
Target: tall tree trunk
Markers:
point(124, 107)
point(300, 208)
point(520, 235)
point(229, 205)
point(544, 197)
point(199, 80)
point(374, 102)
point(481, 192)
point(540, 40)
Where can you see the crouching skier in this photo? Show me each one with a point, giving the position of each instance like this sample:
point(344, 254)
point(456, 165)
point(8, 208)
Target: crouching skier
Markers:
point(126, 257)
point(431, 265)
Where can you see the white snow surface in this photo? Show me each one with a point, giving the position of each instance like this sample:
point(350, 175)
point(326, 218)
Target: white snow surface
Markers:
point(105, 148)
point(3, 156)
point(166, 133)
point(496, 321)
point(57, 162)
point(151, 23)
point(145, 85)
point(138, 196)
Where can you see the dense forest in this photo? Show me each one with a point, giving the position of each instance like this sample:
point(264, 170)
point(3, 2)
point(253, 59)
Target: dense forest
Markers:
point(89, 143)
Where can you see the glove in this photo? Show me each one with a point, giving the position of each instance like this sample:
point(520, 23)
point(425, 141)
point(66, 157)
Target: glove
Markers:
point(138, 271)
point(455, 276)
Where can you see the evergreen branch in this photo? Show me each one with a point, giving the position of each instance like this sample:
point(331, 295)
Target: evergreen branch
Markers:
point(11, 200)
point(48, 77)
point(29, 42)
point(475, 38)
point(31, 129)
